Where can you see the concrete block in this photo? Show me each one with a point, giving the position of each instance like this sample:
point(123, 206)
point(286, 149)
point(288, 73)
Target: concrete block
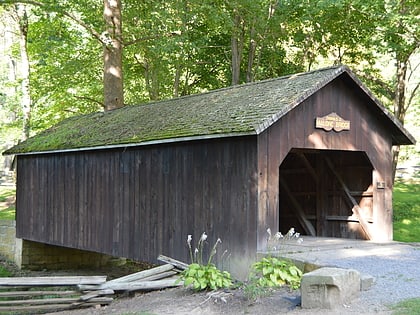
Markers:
point(328, 288)
point(366, 281)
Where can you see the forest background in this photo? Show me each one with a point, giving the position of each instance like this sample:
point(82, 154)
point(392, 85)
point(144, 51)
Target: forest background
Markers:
point(60, 58)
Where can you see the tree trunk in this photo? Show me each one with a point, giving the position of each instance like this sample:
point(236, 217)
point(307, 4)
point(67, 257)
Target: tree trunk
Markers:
point(113, 75)
point(236, 47)
point(25, 70)
point(399, 105)
point(251, 55)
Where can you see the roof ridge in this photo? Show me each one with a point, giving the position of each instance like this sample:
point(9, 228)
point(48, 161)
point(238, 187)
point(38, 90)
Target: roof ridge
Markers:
point(340, 69)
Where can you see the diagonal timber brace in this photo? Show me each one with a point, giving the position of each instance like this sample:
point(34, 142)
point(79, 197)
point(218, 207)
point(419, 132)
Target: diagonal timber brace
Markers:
point(306, 224)
point(356, 208)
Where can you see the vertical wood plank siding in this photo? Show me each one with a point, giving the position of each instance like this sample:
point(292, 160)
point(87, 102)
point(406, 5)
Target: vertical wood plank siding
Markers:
point(142, 202)
point(296, 130)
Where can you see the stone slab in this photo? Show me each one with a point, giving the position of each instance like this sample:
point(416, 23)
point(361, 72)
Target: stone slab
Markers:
point(329, 288)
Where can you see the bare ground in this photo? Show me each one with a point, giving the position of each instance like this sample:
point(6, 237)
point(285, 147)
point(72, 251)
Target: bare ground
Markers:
point(182, 301)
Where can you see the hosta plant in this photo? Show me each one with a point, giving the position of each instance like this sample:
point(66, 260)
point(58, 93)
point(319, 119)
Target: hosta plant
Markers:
point(205, 277)
point(275, 272)
point(202, 275)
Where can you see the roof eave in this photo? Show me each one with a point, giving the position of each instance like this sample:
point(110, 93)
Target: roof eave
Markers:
point(137, 144)
point(267, 123)
point(405, 138)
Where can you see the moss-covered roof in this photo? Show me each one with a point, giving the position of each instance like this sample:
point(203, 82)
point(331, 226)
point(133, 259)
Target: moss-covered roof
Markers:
point(242, 109)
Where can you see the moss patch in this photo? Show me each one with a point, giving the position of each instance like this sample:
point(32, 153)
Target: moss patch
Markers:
point(240, 109)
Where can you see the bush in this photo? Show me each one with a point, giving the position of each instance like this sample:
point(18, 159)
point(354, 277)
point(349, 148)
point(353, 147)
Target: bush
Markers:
point(275, 272)
point(204, 276)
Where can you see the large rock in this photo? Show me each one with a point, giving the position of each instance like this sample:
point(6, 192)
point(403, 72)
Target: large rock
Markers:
point(329, 287)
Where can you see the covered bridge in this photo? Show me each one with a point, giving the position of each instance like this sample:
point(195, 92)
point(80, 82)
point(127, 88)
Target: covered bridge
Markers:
point(310, 151)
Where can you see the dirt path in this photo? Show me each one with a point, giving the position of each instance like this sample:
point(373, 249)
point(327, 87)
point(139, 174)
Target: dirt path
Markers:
point(181, 301)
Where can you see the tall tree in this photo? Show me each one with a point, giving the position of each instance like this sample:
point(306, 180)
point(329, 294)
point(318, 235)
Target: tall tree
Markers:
point(113, 47)
point(20, 14)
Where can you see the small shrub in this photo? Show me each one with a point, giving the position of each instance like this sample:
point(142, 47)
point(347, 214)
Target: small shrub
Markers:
point(204, 276)
point(275, 272)
point(271, 272)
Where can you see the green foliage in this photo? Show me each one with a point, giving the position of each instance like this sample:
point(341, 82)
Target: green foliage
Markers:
point(7, 207)
point(254, 290)
point(4, 272)
point(407, 307)
point(274, 272)
point(271, 272)
point(204, 277)
point(406, 205)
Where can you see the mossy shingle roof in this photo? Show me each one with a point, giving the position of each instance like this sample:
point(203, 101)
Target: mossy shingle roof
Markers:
point(238, 110)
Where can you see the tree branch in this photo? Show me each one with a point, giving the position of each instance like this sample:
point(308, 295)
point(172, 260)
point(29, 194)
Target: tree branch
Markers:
point(146, 38)
point(86, 98)
point(69, 15)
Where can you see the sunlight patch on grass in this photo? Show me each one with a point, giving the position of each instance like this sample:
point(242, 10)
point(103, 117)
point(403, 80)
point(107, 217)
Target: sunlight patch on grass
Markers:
point(7, 203)
point(407, 307)
point(406, 206)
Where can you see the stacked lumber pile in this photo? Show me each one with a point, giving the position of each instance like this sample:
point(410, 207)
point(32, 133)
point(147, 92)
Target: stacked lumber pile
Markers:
point(161, 277)
point(37, 294)
point(49, 294)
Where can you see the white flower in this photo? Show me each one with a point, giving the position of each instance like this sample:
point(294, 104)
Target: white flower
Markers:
point(269, 231)
point(291, 231)
point(189, 239)
point(278, 236)
point(196, 251)
point(297, 235)
point(203, 237)
point(219, 241)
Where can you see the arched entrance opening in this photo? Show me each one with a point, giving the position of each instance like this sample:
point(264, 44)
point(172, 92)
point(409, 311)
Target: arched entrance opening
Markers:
point(326, 193)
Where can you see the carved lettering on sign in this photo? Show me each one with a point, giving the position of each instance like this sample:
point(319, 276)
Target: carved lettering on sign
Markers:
point(332, 121)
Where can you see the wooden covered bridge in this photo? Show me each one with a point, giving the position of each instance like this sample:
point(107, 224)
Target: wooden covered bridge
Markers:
point(310, 151)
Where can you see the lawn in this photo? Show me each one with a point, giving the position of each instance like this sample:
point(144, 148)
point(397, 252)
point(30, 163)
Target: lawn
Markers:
point(7, 203)
point(406, 212)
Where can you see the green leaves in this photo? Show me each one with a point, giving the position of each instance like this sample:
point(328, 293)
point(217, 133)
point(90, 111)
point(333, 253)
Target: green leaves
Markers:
point(273, 272)
point(205, 277)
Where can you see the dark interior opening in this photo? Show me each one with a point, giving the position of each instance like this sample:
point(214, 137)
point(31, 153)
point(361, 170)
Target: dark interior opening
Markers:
point(318, 190)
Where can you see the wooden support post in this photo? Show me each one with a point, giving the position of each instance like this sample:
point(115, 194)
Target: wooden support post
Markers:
point(321, 197)
point(356, 208)
point(306, 224)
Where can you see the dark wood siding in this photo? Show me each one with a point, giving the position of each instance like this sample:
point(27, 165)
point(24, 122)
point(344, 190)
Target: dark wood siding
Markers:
point(142, 202)
point(296, 130)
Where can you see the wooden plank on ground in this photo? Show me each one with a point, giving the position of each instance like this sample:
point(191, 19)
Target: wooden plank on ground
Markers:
point(142, 274)
point(94, 294)
point(162, 275)
point(51, 301)
point(176, 263)
point(134, 286)
point(7, 294)
point(56, 306)
point(52, 281)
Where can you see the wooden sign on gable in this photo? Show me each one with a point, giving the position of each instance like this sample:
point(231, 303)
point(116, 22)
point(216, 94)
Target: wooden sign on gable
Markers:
point(332, 121)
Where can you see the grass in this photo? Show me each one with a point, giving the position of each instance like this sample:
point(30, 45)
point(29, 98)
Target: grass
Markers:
point(407, 307)
point(406, 206)
point(4, 272)
point(7, 205)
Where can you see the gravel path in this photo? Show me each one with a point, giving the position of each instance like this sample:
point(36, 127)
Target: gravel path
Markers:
point(396, 269)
